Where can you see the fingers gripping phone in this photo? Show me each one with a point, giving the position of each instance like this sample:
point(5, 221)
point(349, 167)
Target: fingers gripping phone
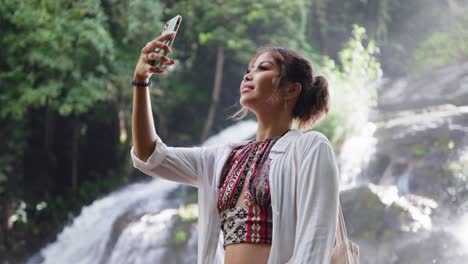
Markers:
point(171, 25)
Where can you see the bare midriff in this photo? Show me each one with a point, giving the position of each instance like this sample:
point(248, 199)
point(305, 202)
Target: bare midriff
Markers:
point(245, 253)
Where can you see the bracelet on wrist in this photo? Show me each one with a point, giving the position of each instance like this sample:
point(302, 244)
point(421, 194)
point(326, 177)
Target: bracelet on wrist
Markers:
point(141, 84)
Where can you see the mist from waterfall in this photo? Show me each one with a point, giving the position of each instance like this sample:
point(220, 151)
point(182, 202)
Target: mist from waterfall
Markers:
point(355, 155)
point(119, 228)
point(423, 231)
point(134, 224)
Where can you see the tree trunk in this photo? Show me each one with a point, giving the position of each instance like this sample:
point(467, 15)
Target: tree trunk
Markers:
point(75, 154)
point(49, 137)
point(317, 24)
point(6, 214)
point(216, 92)
point(311, 27)
point(123, 136)
point(372, 21)
point(160, 122)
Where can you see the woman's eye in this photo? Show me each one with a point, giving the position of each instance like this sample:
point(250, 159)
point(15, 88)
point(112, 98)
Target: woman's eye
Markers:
point(259, 67)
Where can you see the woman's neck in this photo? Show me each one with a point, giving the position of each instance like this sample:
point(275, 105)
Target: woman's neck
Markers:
point(271, 130)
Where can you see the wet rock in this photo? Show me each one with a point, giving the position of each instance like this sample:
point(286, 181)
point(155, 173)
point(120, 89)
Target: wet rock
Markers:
point(447, 85)
point(424, 153)
point(431, 247)
point(378, 213)
point(378, 219)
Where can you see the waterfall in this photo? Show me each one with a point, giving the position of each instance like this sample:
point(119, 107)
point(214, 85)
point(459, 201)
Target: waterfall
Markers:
point(355, 156)
point(86, 238)
point(129, 225)
point(389, 222)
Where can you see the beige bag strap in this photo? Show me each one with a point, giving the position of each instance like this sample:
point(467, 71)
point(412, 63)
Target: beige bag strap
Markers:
point(352, 249)
point(341, 234)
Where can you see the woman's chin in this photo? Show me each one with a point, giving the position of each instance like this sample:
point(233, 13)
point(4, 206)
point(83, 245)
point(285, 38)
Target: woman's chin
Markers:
point(244, 103)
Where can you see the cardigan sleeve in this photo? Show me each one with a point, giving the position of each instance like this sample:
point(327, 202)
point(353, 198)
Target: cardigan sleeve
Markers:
point(178, 164)
point(317, 203)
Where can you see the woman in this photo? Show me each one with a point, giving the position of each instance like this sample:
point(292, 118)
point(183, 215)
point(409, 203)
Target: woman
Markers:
point(269, 200)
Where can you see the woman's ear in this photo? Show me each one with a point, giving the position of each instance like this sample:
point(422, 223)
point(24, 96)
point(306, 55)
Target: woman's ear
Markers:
point(293, 90)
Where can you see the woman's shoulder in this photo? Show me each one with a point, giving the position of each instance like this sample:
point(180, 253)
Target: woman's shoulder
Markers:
point(312, 138)
point(315, 149)
point(221, 147)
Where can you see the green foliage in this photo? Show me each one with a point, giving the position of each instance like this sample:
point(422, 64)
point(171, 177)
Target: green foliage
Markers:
point(185, 194)
point(12, 135)
point(189, 212)
point(180, 236)
point(459, 170)
point(187, 216)
point(352, 86)
point(91, 190)
point(334, 19)
point(418, 150)
point(57, 54)
point(383, 18)
point(241, 26)
point(29, 214)
point(400, 28)
point(75, 59)
point(442, 48)
point(440, 144)
point(445, 144)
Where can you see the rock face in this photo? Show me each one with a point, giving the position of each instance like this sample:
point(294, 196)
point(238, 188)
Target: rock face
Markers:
point(164, 236)
point(447, 85)
point(378, 213)
point(147, 222)
point(414, 185)
point(409, 193)
point(408, 201)
point(424, 153)
point(385, 224)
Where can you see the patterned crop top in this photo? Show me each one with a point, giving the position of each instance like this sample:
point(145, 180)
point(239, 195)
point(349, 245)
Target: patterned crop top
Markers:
point(248, 220)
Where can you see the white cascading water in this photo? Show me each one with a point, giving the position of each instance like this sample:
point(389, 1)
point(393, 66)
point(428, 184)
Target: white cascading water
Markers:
point(104, 232)
point(119, 229)
point(355, 156)
point(85, 240)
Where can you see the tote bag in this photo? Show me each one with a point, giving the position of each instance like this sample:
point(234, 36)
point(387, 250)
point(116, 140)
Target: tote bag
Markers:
point(344, 251)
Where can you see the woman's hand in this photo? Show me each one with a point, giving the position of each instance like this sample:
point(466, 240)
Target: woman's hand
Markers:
point(143, 69)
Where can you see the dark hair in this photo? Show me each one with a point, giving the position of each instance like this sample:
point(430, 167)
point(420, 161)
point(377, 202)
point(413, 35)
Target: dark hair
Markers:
point(314, 100)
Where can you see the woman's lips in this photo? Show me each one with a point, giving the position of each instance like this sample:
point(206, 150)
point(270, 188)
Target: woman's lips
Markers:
point(246, 88)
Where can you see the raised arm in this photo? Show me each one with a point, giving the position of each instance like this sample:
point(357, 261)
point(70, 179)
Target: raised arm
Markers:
point(149, 153)
point(144, 135)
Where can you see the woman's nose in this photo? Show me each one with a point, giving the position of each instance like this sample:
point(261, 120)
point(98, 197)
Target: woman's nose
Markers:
point(247, 76)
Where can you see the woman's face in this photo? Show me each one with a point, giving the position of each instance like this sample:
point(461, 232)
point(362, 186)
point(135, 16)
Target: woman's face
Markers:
point(260, 83)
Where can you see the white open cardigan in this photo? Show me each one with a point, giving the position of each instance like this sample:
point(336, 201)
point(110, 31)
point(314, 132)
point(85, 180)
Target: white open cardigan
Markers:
point(304, 189)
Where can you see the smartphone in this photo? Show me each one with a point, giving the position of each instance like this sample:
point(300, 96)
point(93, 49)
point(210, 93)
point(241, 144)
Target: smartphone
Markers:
point(172, 24)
